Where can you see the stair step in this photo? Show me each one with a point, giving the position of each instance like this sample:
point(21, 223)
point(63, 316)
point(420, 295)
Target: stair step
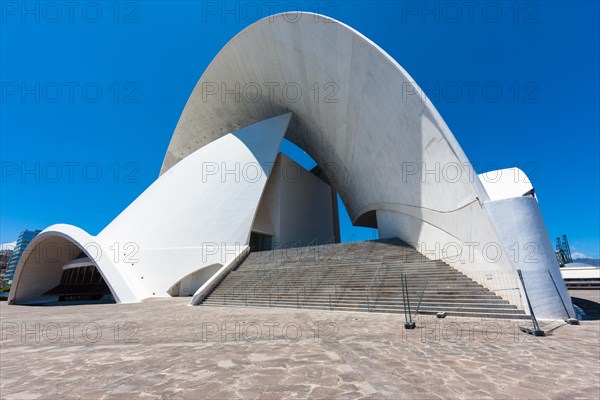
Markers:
point(347, 272)
point(516, 314)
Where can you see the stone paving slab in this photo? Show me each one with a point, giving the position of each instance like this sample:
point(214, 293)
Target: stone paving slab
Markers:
point(162, 348)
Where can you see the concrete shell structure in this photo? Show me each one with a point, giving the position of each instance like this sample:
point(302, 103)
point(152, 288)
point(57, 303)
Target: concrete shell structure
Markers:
point(363, 119)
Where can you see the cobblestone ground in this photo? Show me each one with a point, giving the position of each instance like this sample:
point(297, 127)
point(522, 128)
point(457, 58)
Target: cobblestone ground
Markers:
point(165, 349)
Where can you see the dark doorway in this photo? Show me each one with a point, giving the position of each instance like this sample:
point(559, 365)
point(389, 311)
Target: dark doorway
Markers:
point(260, 242)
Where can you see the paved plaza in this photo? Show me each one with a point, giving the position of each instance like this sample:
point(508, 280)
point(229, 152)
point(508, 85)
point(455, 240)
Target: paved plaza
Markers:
point(163, 348)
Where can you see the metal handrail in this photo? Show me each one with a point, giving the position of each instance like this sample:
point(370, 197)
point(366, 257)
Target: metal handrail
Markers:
point(308, 267)
point(342, 281)
point(276, 288)
point(232, 288)
point(374, 277)
point(382, 275)
point(421, 298)
point(313, 285)
point(253, 287)
point(377, 277)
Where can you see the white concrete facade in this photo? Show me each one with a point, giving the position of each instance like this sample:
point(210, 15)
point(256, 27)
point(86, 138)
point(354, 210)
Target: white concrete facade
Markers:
point(369, 126)
point(297, 208)
point(197, 216)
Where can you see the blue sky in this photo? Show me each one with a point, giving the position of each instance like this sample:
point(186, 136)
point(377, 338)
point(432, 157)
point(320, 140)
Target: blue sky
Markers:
point(145, 57)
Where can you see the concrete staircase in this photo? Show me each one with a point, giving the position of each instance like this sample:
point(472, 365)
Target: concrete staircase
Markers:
point(360, 276)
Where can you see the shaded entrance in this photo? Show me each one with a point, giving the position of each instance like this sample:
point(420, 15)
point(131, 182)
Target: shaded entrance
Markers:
point(81, 284)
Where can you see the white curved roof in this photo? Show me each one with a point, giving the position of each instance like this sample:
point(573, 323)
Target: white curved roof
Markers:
point(369, 123)
point(506, 183)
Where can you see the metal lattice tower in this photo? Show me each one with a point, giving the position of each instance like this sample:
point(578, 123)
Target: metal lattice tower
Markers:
point(563, 251)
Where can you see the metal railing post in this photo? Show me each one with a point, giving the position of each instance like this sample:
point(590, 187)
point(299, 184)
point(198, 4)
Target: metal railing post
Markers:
point(409, 324)
point(535, 331)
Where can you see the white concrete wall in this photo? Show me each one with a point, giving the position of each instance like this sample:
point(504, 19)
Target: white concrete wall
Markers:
point(199, 214)
point(296, 208)
point(196, 215)
point(191, 283)
point(582, 272)
point(519, 222)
